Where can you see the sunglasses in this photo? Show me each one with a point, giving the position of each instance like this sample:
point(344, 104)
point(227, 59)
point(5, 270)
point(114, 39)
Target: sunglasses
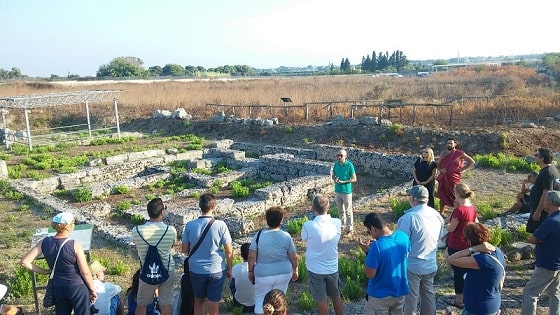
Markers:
point(339, 155)
point(424, 152)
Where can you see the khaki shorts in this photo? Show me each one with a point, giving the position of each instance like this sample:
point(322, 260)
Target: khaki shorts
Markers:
point(146, 292)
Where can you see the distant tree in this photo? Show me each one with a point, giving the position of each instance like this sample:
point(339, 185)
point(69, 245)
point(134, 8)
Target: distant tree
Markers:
point(383, 61)
point(200, 69)
point(374, 66)
point(400, 60)
point(552, 62)
point(122, 67)
point(15, 73)
point(155, 71)
point(190, 70)
point(173, 70)
point(345, 66)
point(237, 70)
point(440, 62)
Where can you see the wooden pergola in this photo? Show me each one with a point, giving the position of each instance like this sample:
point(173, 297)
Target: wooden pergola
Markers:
point(29, 102)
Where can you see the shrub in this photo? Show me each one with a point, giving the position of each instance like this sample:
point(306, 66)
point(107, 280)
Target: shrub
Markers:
point(238, 190)
point(119, 268)
point(221, 168)
point(333, 211)
point(486, 211)
point(306, 302)
point(295, 225)
point(353, 290)
point(21, 285)
point(397, 129)
point(214, 189)
point(302, 277)
point(82, 194)
point(507, 162)
point(399, 206)
point(122, 206)
point(121, 189)
point(137, 219)
point(499, 236)
point(16, 171)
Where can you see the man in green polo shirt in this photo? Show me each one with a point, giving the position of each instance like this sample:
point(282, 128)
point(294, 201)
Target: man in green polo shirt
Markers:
point(343, 175)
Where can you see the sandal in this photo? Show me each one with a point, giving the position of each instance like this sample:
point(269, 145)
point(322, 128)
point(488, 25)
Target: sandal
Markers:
point(451, 301)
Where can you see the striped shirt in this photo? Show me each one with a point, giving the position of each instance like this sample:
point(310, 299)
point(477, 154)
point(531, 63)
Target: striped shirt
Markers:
point(152, 232)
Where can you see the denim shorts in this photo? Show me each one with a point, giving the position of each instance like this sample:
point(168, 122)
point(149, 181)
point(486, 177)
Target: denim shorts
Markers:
point(208, 286)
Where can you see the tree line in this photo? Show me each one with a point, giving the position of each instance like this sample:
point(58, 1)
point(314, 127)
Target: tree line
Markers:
point(134, 67)
point(395, 62)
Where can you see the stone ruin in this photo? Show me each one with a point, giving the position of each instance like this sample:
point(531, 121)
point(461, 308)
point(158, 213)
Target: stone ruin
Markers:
point(296, 173)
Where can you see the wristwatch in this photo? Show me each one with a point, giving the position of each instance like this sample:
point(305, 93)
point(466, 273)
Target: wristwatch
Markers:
point(471, 250)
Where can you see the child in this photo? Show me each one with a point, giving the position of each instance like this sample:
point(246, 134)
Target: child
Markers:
point(151, 309)
point(242, 290)
point(523, 196)
point(108, 300)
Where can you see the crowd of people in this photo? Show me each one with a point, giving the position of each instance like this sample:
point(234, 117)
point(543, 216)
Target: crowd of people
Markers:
point(400, 264)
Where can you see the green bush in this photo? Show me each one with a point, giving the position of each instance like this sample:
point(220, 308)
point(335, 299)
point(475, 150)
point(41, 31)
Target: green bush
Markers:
point(119, 268)
point(486, 211)
point(295, 225)
point(306, 302)
point(221, 168)
point(214, 190)
point(238, 190)
point(16, 171)
point(399, 206)
point(137, 219)
point(21, 284)
point(499, 236)
point(302, 268)
point(333, 211)
point(353, 290)
point(123, 206)
point(82, 194)
point(507, 162)
point(121, 189)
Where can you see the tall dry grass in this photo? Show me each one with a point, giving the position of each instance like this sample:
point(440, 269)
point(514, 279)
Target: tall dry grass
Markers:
point(523, 95)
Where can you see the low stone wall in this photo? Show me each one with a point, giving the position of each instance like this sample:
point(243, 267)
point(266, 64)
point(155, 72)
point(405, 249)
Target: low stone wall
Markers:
point(398, 166)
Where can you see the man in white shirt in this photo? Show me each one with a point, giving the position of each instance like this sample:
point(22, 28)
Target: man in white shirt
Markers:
point(321, 256)
point(108, 300)
point(422, 224)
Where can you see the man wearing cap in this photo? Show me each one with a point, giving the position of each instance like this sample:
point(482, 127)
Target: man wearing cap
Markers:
point(546, 275)
point(422, 224)
point(152, 231)
point(108, 300)
point(343, 174)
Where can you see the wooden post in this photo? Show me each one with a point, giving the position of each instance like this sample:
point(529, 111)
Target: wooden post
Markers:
point(307, 112)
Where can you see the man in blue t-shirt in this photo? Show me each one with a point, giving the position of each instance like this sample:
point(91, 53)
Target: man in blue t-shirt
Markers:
point(546, 275)
point(386, 267)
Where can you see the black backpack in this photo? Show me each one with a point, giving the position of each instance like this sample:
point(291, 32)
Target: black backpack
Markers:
point(153, 272)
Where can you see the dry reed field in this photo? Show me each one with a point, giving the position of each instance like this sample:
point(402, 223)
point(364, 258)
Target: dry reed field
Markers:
point(481, 97)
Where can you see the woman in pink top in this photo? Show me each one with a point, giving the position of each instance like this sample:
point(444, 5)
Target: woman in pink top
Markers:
point(464, 213)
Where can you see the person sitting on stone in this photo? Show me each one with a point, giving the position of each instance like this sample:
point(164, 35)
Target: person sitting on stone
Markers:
point(242, 290)
point(522, 199)
point(108, 300)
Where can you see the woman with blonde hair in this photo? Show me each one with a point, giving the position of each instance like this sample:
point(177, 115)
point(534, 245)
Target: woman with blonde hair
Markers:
point(463, 214)
point(275, 303)
point(73, 287)
point(424, 172)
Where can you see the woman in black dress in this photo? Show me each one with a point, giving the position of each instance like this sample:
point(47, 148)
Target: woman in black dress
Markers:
point(424, 172)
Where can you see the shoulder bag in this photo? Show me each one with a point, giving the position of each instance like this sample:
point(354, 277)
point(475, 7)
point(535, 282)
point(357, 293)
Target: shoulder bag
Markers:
point(187, 293)
point(48, 299)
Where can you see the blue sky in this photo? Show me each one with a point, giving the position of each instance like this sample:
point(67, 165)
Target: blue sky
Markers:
point(77, 36)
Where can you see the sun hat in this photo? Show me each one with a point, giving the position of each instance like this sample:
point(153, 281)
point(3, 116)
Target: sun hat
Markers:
point(96, 267)
point(418, 192)
point(63, 218)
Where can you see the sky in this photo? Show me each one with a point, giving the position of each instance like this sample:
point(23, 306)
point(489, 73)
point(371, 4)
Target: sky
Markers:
point(78, 36)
